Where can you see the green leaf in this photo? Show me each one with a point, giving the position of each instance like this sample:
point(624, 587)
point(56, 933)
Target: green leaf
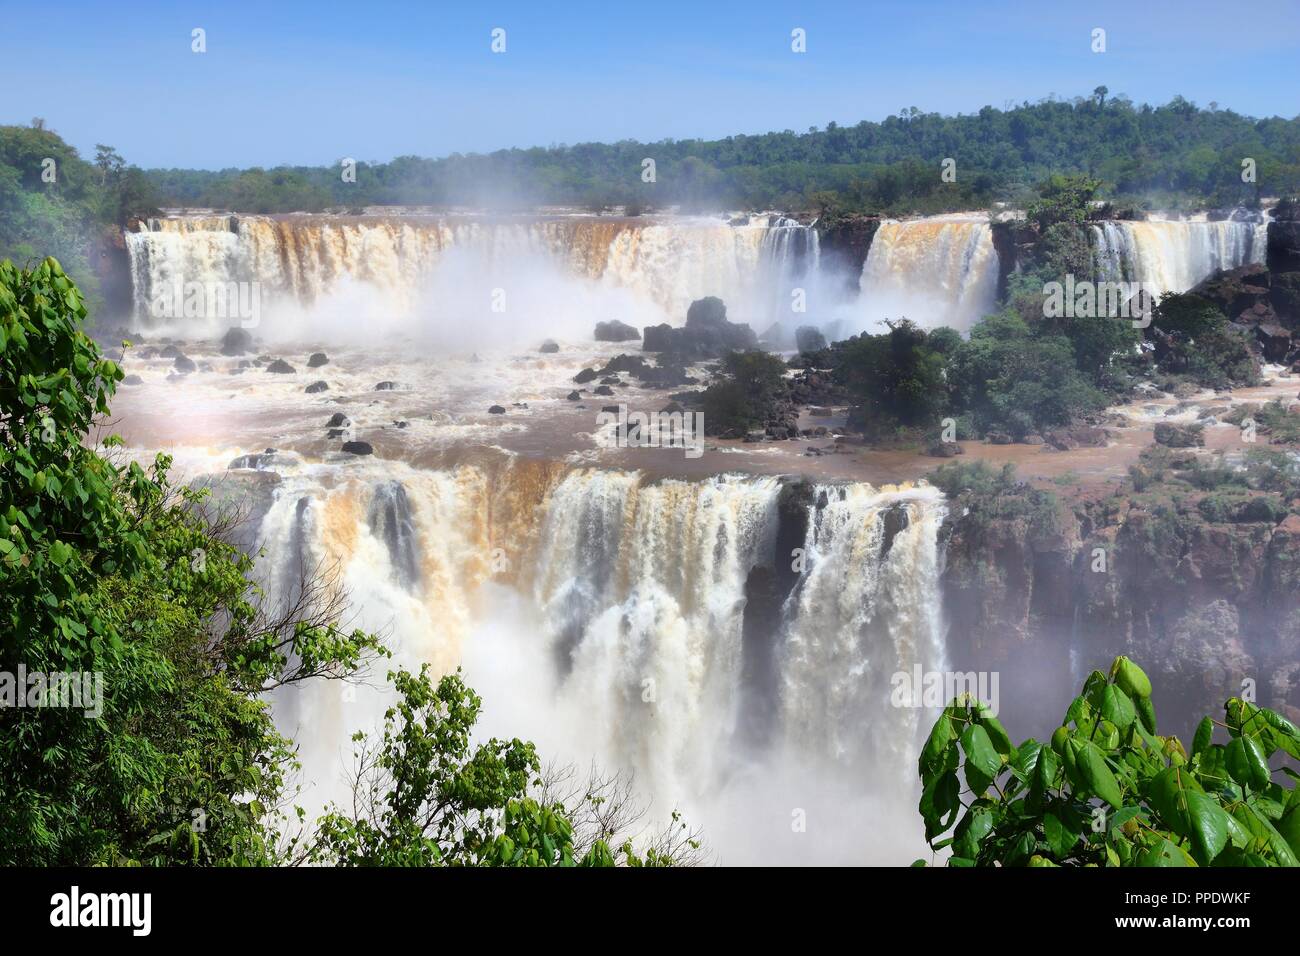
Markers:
point(982, 761)
point(1116, 707)
point(1247, 763)
point(1204, 735)
point(1209, 823)
point(1095, 772)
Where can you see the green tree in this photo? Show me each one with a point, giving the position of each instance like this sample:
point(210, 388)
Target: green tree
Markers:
point(1106, 790)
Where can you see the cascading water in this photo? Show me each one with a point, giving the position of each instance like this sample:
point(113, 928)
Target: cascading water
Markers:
point(618, 626)
point(411, 265)
point(1173, 256)
point(936, 271)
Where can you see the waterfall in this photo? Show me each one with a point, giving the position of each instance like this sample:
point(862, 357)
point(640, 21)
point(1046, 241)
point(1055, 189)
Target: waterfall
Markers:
point(936, 271)
point(1173, 256)
point(633, 598)
point(306, 262)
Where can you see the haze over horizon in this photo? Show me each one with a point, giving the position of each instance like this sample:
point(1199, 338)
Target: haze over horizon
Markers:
point(288, 86)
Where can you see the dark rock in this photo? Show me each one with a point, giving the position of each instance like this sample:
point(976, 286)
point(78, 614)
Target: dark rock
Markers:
point(401, 424)
point(281, 367)
point(808, 338)
point(998, 438)
point(615, 331)
point(549, 347)
point(184, 365)
point(611, 380)
point(315, 387)
point(317, 360)
point(895, 521)
point(496, 410)
point(610, 409)
point(171, 352)
point(358, 448)
point(574, 396)
point(133, 380)
point(337, 420)
point(602, 390)
point(237, 342)
point(586, 375)
point(386, 387)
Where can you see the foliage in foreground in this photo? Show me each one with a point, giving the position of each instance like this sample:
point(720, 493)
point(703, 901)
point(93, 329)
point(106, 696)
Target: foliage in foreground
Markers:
point(109, 570)
point(1106, 790)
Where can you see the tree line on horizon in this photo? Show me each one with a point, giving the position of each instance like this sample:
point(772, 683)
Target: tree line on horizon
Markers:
point(1178, 155)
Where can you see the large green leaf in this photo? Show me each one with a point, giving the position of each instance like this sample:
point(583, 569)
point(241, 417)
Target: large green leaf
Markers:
point(1117, 707)
point(1209, 823)
point(1247, 763)
point(1092, 767)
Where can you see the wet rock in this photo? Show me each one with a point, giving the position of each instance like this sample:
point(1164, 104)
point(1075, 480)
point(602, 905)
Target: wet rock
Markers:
point(1180, 436)
point(184, 365)
point(281, 367)
point(315, 387)
point(585, 376)
point(237, 342)
point(338, 420)
point(895, 521)
point(808, 338)
point(171, 352)
point(603, 390)
point(386, 387)
point(496, 410)
point(754, 437)
point(615, 331)
point(610, 409)
point(574, 396)
point(549, 347)
point(998, 438)
point(401, 424)
point(317, 360)
point(611, 380)
point(519, 404)
point(133, 380)
point(358, 448)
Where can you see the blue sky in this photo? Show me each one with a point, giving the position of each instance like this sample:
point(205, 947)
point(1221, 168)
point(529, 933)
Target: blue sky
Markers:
point(290, 82)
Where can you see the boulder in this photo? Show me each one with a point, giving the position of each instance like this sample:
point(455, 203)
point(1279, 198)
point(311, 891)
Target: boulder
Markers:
point(574, 396)
point(549, 347)
point(358, 448)
point(338, 420)
point(133, 380)
point(586, 375)
point(184, 365)
point(170, 352)
point(315, 387)
point(237, 342)
point(615, 331)
point(945, 449)
point(603, 390)
point(317, 360)
point(281, 367)
point(496, 410)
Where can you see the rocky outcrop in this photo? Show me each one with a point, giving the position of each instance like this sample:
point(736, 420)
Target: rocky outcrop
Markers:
point(707, 334)
point(844, 243)
point(1208, 608)
point(1284, 238)
point(615, 331)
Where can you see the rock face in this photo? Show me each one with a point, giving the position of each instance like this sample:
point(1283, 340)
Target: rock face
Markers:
point(844, 244)
point(808, 338)
point(1201, 605)
point(1284, 238)
point(237, 342)
point(707, 333)
point(615, 331)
